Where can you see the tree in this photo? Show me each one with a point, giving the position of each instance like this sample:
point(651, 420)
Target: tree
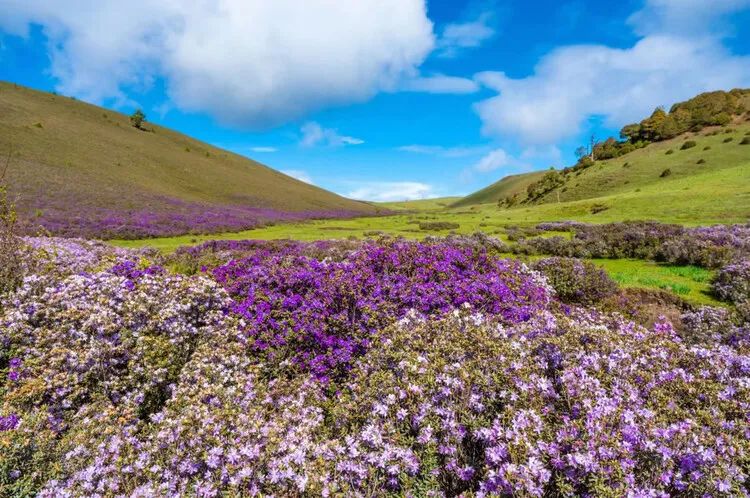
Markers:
point(137, 119)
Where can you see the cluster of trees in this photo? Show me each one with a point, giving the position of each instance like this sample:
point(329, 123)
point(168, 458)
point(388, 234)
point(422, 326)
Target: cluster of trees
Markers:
point(707, 109)
point(549, 182)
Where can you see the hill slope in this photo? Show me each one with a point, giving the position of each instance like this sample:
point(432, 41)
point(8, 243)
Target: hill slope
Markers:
point(78, 169)
point(502, 189)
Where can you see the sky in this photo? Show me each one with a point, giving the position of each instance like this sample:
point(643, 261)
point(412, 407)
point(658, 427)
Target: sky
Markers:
point(383, 100)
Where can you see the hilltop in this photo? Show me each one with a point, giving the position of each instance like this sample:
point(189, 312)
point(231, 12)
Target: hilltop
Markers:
point(699, 143)
point(79, 169)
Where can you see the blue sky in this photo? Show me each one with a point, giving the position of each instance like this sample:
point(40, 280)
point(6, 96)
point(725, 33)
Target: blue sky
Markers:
point(383, 99)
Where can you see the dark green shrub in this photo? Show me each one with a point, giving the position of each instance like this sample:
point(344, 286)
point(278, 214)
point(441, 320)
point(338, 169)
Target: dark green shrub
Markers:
point(689, 144)
point(11, 268)
point(665, 173)
point(669, 152)
point(701, 161)
point(745, 141)
point(598, 208)
point(137, 119)
point(438, 225)
point(728, 139)
point(576, 281)
point(707, 147)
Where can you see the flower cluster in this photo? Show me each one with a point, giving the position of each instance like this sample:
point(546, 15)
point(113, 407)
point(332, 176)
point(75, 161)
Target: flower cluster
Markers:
point(710, 247)
point(320, 314)
point(732, 283)
point(449, 372)
point(576, 281)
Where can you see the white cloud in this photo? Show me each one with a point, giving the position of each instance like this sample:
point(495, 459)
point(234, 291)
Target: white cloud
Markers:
point(688, 17)
point(438, 150)
point(440, 83)
point(300, 175)
point(247, 62)
point(492, 161)
point(679, 55)
point(391, 191)
point(622, 85)
point(264, 149)
point(456, 37)
point(313, 134)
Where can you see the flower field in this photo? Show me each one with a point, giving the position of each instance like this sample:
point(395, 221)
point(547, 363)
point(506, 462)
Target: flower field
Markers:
point(433, 368)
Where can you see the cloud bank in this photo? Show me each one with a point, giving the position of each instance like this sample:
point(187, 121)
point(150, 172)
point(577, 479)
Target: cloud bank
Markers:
point(251, 63)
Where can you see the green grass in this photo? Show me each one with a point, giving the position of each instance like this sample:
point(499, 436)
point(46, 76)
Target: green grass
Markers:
point(689, 282)
point(437, 203)
point(506, 187)
point(71, 155)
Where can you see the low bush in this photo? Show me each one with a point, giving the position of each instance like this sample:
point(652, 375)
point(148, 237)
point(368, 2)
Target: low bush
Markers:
point(707, 147)
point(669, 152)
point(701, 161)
point(576, 281)
point(665, 173)
point(598, 208)
point(732, 283)
point(689, 144)
point(745, 141)
point(728, 139)
point(11, 267)
point(438, 225)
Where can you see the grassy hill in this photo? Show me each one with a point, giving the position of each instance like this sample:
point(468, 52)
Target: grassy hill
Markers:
point(79, 169)
point(504, 188)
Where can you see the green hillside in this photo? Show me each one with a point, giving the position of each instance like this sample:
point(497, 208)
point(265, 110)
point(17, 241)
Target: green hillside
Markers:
point(79, 162)
point(507, 187)
point(696, 144)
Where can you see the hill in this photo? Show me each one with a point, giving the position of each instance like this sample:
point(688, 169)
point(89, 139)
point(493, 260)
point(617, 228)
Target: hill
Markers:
point(694, 141)
point(507, 187)
point(78, 169)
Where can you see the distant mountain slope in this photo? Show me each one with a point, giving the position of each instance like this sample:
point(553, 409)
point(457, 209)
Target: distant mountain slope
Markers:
point(507, 187)
point(701, 136)
point(79, 169)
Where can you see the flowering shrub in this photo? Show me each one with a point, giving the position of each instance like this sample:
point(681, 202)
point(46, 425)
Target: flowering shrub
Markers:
point(710, 247)
point(321, 314)
point(118, 378)
point(576, 281)
point(732, 283)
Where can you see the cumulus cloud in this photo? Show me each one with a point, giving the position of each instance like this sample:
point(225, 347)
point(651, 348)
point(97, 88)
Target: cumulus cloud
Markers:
point(313, 134)
point(438, 150)
point(456, 37)
point(391, 191)
point(689, 17)
point(300, 175)
point(622, 85)
point(492, 161)
point(264, 149)
point(440, 83)
point(254, 63)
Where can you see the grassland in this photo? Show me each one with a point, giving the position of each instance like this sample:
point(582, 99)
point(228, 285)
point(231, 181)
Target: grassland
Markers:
point(78, 158)
point(505, 187)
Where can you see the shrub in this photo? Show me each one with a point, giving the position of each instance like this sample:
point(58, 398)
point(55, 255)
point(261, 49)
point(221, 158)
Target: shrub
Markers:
point(576, 281)
point(732, 283)
point(438, 225)
point(598, 208)
point(745, 141)
point(701, 161)
point(665, 173)
point(689, 144)
point(669, 152)
point(137, 119)
point(728, 139)
point(707, 147)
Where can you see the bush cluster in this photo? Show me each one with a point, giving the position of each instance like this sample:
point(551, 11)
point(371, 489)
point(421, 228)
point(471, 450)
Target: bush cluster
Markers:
point(576, 281)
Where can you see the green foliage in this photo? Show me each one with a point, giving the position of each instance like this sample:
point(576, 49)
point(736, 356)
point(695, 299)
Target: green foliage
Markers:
point(728, 139)
point(745, 141)
point(707, 109)
point(11, 269)
point(669, 152)
point(550, 181)
point(438, 225)
point(689, 144)
point(137, 119)
point(665, 173)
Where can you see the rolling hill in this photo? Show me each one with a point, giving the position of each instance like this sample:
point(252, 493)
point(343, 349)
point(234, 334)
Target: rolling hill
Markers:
point(504, 188)
point(708, 165)
point(78, 169)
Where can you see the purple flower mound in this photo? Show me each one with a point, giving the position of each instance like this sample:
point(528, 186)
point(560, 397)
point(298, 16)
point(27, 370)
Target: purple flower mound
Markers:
point(577, 281)
point(322, 314)
point(732, 283)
